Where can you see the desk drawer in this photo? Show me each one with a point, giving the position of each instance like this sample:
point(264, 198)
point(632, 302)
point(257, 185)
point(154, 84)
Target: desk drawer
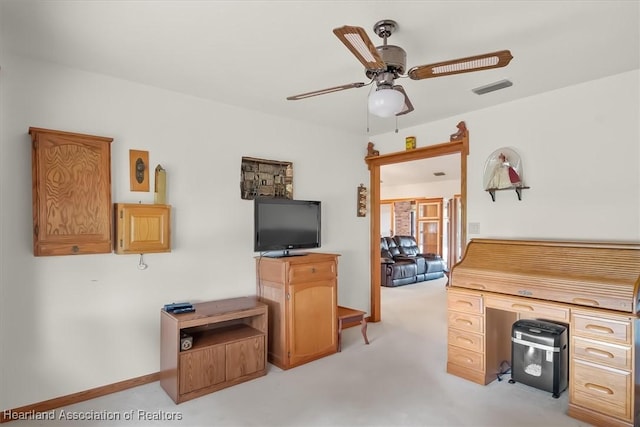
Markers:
point(529, 308)
point(465, 358)
point(464, 302)
point(466, 340)
point(303, 273)
point(601, 389)
point(616, 356)
point(465, 321)
point(602, 329)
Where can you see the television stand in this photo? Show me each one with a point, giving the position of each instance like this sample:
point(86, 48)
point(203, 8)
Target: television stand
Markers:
point(302, 295)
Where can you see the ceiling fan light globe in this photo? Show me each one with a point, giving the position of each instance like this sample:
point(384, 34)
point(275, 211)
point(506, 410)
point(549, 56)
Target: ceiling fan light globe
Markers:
point(386, 102)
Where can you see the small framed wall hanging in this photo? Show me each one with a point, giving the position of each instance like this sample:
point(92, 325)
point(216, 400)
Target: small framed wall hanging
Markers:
point(139, 170)
point(362, 200)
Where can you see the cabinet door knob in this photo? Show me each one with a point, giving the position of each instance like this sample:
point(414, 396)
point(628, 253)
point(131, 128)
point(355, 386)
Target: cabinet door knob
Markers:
point(75, 249)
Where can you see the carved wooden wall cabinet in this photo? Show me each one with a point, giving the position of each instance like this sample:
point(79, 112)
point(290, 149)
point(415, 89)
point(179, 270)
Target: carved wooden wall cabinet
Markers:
point(71, 186)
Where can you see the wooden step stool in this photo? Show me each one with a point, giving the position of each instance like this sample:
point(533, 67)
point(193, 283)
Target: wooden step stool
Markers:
point(346, 315)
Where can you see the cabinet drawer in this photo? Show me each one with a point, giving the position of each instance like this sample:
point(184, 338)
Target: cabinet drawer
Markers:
point(466, 340)
point(464, 302)
point(616, 356)
point(529, 308)
point(602, 329)
point(466, 321)
point(465, 358)
point(302, 273)
point(601, 389)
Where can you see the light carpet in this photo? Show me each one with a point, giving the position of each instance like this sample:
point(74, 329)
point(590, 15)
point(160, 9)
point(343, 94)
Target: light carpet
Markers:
point(399, 379)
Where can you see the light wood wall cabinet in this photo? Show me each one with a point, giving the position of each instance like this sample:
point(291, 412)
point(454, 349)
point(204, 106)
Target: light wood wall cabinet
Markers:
point(301, 292)
point(71, 183)
point(142, 229)
point(229, 347)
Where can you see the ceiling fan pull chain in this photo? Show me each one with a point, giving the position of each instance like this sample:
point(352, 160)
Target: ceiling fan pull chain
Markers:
point(367, 120)
point(396, 124)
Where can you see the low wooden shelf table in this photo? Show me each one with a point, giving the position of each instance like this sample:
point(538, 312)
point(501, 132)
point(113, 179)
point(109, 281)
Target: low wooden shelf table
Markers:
point(229, 347)
point(346, 315)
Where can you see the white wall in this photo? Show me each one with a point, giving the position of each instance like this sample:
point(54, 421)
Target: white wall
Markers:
point(72, 323)
point(580, 151)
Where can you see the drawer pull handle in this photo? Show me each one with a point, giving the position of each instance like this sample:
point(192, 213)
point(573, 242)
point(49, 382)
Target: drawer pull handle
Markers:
point(599, 353)
point(468, 360)
point(600, 329)
point(586, 301)
point(476, 285)
point(467, 303)
point(522, 307)
point(466, 340)
point(464, 321)
point(598, 388)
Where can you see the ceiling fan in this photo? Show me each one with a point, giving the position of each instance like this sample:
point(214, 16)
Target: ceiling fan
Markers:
point(384, 64)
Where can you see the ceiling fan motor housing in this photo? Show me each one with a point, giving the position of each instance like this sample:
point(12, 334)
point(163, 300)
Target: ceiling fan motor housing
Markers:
point(394, 57)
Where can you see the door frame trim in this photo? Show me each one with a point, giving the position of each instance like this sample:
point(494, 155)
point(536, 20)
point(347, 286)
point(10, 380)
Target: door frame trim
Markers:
point(459, 144)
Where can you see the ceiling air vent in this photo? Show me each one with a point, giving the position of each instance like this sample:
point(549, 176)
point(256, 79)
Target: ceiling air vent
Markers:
point(492, 86)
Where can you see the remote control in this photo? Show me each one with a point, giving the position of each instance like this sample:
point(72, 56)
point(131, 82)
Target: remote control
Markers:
point(183, 310)
point(177, 305)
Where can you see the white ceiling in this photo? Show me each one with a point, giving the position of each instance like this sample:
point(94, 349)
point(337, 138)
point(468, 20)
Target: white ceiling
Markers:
point(421, 171)
point(253, 54)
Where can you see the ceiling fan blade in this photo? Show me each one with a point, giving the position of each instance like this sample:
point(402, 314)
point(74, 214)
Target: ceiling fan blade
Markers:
point(357, 41)
point(462, 65)
point(408, 106)
point(323, 91)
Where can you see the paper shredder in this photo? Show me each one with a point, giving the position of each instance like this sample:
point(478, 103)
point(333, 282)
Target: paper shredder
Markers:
point(539, 355)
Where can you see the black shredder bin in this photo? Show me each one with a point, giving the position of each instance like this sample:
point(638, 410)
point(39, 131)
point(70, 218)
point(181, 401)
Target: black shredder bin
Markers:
point(539, 355)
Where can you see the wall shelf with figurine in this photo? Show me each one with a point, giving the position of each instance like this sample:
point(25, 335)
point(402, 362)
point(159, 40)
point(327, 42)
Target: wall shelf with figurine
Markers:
point(503, 171)
point(492, 191)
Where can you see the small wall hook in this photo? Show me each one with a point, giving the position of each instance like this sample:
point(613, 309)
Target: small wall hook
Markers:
point(141, 264)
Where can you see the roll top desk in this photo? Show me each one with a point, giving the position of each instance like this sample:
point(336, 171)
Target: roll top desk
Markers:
point(592, 287)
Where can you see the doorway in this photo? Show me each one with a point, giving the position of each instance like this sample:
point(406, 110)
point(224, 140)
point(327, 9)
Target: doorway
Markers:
point(421, 218)
point(460, 144)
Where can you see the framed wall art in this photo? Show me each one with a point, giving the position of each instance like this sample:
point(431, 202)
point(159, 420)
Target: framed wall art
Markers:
point(265, 178)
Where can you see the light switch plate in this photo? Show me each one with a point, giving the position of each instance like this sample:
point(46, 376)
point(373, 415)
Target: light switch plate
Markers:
point(474, 228)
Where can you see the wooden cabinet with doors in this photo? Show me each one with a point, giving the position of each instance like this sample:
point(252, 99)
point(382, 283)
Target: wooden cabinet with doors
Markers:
point(71, 188)
point(301, 292)
point(142, 229)
point(228, 339)
point(429, 225)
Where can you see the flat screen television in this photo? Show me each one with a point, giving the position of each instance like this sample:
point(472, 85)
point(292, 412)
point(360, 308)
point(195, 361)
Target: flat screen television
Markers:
point(284, 224)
